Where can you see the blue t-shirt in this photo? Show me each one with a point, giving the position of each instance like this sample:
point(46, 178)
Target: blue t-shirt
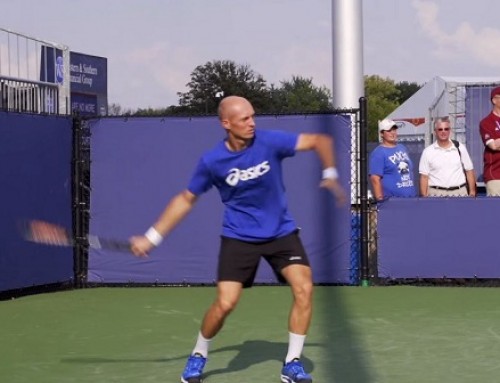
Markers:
point(395, 167)
point(250, 184)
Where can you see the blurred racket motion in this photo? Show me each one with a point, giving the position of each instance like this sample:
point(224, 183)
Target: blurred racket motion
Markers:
point(48, 233)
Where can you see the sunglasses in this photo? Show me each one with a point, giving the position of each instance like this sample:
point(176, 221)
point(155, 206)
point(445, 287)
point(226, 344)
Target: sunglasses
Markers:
point(443, 129)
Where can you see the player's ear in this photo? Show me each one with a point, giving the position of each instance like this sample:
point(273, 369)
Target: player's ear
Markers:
point(225, 124)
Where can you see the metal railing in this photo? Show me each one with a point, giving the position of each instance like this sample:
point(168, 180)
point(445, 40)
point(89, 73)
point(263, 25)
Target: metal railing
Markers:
point(28, 96)
point(34, 74)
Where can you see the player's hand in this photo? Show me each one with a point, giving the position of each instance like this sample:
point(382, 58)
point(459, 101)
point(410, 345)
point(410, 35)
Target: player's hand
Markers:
point(336, 189)
point(140, 246)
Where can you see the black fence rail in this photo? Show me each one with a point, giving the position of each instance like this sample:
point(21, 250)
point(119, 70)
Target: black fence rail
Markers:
point(81, 198)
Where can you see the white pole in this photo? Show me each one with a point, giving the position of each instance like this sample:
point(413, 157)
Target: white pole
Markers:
point(347, 38)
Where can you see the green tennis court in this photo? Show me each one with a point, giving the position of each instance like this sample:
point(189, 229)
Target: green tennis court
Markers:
point(395, 334)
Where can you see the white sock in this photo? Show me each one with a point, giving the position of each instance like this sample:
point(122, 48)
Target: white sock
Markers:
point(295, 346)
point(202, 345)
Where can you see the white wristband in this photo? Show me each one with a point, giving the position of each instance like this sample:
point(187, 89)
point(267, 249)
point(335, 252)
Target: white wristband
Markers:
point(153, 236)
point(330, 173)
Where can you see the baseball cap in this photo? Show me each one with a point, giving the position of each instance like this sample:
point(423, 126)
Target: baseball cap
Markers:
point(495, 92)
point(387, 124)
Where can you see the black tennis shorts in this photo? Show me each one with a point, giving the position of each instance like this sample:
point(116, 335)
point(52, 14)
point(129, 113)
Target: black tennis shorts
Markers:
point(239, 260)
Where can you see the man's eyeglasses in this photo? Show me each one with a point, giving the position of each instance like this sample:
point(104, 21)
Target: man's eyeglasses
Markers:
point(443, 129)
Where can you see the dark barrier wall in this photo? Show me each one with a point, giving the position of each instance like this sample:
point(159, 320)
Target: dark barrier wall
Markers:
point(35, 169)
point(138, 164)
point(438, 237)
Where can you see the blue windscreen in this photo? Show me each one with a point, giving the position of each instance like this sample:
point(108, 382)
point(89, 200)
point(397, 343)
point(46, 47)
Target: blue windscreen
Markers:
point(138, 164)
point(35, 158)
point(438, 237)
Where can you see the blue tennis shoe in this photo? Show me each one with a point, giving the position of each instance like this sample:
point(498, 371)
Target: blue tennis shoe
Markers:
point(293, 372)
point(194, 369)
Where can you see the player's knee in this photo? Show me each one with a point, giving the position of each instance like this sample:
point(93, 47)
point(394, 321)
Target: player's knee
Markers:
point(303, 292)
point(226, 305)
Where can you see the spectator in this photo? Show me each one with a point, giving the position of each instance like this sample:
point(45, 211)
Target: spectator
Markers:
point(391, 168)
point(445, 166)
point(489, 128)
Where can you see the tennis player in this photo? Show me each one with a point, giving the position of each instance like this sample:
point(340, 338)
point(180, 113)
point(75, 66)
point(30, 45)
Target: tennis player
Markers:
point(246, 169)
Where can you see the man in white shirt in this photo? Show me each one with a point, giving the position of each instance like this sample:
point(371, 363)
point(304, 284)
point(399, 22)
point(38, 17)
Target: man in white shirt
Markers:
point(445, 166)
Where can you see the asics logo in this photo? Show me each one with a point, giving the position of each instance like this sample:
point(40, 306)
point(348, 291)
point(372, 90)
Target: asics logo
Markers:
point(236, 175)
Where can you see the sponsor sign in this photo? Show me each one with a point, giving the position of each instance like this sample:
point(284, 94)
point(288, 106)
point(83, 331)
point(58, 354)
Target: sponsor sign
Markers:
point(88, 74)
point(84, 104)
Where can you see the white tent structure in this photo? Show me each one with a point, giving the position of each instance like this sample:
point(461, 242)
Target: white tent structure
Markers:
point(439, 97)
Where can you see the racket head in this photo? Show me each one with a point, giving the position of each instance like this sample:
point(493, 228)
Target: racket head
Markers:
point(44, 232)
point(47, 233)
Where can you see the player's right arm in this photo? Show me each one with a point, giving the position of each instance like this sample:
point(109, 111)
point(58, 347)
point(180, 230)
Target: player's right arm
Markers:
point(178, 208)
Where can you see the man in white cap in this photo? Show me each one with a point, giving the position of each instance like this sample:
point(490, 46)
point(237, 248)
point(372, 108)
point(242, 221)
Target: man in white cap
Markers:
point(391, 168)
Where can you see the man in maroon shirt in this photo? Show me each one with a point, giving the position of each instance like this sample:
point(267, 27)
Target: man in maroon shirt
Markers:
point(489, 128)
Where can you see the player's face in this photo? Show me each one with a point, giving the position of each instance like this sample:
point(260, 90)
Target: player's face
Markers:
point(240, 122)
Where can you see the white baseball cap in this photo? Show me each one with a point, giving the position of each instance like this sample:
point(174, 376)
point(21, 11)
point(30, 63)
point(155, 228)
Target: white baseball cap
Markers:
point(386, 124)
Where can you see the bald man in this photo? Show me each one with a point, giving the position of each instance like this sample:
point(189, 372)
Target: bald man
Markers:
point(245, 167)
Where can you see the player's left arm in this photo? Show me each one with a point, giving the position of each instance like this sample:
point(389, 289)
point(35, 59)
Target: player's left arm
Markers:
point(322, 144)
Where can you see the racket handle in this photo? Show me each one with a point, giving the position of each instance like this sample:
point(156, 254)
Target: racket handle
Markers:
point(123, 246)
point(109, 244)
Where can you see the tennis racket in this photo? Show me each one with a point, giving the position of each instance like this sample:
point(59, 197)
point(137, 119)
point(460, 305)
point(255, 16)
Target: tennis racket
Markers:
point(47, 233)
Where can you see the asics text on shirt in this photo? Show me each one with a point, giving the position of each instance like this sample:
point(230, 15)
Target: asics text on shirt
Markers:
point(237, 175)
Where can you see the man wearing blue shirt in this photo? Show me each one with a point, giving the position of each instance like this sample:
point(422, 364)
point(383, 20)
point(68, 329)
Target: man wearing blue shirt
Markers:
point(390, 167)
point(246, 169)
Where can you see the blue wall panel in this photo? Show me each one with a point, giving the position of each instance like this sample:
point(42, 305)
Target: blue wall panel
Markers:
point(35, 169)
point(438, 237)
point(138, 164)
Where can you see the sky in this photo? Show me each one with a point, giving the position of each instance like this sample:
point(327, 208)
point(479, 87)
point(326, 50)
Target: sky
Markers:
point(153, 46)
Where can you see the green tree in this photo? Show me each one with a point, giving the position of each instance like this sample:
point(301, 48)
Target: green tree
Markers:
point(382, 98)
point(299, 95)
point(406, 90)
point(150, 112)
point(209, 80)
